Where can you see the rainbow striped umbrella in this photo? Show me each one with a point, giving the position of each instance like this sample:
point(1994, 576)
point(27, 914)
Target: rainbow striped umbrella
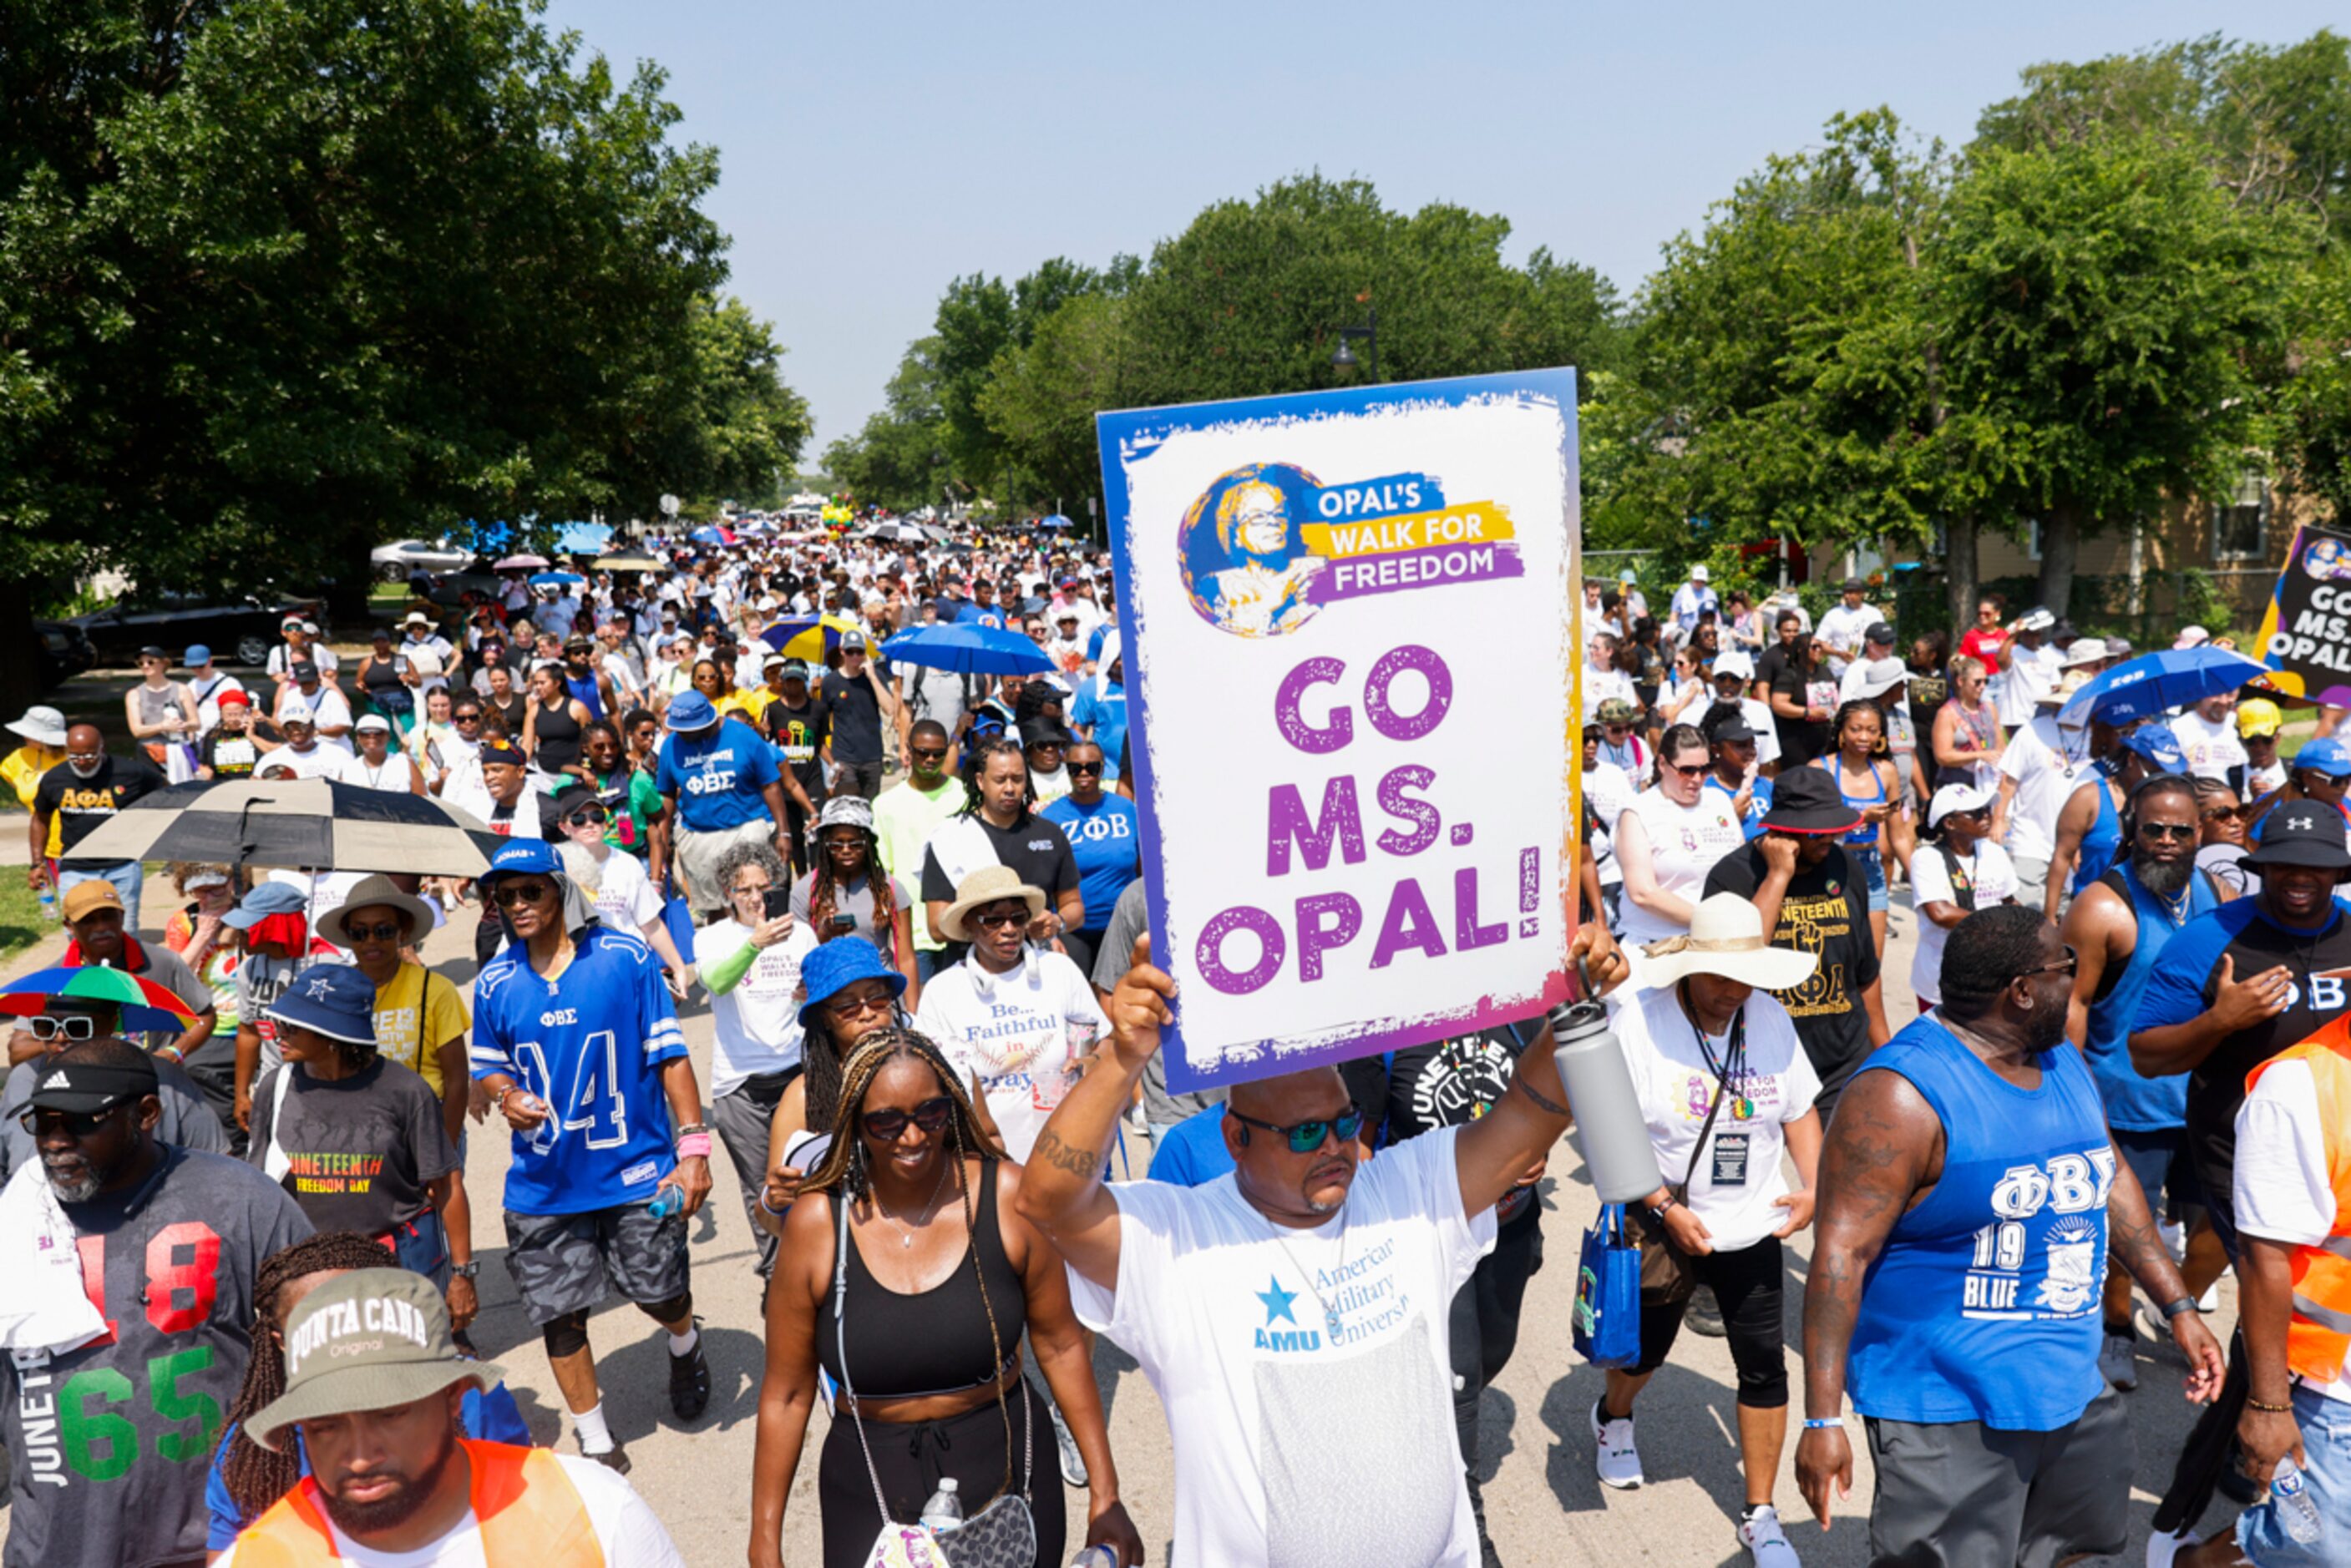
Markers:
point(147, 1008)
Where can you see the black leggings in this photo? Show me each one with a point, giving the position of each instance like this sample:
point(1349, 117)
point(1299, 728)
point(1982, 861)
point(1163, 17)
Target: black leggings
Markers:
point(1747, 1285)
point(1485, 1319)
point(912, 1456)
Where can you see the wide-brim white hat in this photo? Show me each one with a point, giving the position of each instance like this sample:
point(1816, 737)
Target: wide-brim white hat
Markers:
point(1726, 937)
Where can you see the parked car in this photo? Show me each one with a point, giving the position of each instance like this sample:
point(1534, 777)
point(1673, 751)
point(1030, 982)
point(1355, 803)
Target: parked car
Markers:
point(65, 651)
point(402, 558)
point(239, 630)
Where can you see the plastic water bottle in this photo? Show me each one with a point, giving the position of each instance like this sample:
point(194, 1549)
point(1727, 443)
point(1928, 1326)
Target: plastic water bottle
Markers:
point(2291, 1497)
point(1096, 1556)
point(1609, 1124)
point(48, 904)
point(668, 1201)
point(942, 1514)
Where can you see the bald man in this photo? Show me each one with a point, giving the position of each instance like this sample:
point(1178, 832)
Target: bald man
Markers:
point(80, 793)
point(1293, 1316)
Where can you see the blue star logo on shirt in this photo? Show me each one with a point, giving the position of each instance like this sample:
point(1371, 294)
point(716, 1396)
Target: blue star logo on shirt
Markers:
point(1276, 1302)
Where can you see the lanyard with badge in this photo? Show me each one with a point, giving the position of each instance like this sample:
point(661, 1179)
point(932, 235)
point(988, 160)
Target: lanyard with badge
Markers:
point(1728, 1166)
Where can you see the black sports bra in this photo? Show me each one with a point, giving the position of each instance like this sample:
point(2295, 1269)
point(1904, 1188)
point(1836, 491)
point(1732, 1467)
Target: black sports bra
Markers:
point(936, 1341)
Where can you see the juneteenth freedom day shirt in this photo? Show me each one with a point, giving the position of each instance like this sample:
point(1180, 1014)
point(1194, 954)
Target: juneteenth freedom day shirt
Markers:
point(1294, 1445)
point(358, 1154)
point(107, 1444)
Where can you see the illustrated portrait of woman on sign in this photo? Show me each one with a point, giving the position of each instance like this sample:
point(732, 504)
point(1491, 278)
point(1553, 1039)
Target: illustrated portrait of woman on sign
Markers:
point(1245, 559)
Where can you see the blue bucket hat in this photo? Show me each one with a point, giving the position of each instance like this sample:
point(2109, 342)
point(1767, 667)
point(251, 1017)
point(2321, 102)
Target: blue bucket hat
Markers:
point(523, 856)
point(330, 998)
point(267, 899)
point(838, 965)
point(690, 711)
point(2156, 744)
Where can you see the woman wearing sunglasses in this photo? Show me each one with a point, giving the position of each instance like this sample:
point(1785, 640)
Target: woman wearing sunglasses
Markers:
point(1958, 871)
point(1669, 839)
point(616, 884)
point(909, 1276)
point(1724, 1085)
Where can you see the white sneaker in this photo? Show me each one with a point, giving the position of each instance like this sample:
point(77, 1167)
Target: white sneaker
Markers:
point(2119, 1359)
point(2210, 1302)
point(2162, 1550)
point(1614, 1458)
point(1765, 1542)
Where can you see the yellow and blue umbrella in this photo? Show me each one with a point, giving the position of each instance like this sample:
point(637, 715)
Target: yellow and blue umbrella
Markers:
point(808, 637)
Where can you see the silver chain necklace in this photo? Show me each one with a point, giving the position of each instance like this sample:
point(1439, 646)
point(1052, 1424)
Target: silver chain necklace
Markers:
point(1330, 1325)
point(906, 1237)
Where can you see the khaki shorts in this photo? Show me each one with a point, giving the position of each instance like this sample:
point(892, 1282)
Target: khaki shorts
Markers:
point(698, 854)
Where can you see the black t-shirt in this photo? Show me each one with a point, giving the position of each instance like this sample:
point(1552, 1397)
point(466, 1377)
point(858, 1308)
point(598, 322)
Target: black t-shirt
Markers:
point(511, 710)
point(801, 733)
point(1801, 739)
point(1037, 849)
point(1826, 911)
point(854, 710)
point(1926, 693)
point(230, 756)
point(1451, 1083)
point(1768, 665)
point(80, 804)
point(358, 1153)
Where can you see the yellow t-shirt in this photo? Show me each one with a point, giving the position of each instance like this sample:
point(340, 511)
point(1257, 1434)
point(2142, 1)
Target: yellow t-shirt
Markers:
point(22, 769)
point(751, 704)
point(396, 1011)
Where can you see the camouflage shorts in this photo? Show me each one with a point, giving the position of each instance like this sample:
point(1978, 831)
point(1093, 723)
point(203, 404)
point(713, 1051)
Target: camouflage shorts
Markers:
point(566, 1262)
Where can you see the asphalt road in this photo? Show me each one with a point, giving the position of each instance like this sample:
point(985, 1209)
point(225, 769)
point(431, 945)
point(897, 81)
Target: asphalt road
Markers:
point(1544, 1506)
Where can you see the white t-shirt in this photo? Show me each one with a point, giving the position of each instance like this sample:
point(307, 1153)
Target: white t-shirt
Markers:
point(393, 776)
point(281, 661)
point(1994, 877)
point(322, 761)
point(1777, 1086)
point(1599, 685)
point(759, 1020)
point(2283, 1189)
point(1842, 630)
point(1683, 844)
point(2032, 674)
point(1292, 1444)
point(2048, 765)
point(1022, 1034)
point(623, 894)
point(2211, 745)
point(1610, 793)
point(628, 1532)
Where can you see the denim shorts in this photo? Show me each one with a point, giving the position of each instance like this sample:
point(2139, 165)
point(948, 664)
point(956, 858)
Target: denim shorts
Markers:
point(1872, 867)
point(2326, 1444)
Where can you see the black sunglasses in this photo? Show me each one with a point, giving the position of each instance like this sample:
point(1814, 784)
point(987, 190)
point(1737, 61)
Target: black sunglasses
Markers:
point(74, 1124)
point(2161, 831)
point(595, 814)
point(930, 753)
point(887, 1126)
point(507, 895)
point(383, 931)
point(1305, 1138)
point(1020, 916)
point(1085, 768)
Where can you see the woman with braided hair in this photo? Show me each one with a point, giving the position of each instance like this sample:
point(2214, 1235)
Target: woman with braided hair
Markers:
point(907, 1274)
point(247, 1479)
point(846, 893)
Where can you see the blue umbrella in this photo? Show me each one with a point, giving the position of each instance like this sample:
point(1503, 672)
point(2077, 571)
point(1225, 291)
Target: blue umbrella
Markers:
point(2154, 683)
point(1057, 521)
point(968, 648)
point(706, 534)
point(556, 580)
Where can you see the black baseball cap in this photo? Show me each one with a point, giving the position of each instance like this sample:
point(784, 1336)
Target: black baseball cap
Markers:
point(2302, 833)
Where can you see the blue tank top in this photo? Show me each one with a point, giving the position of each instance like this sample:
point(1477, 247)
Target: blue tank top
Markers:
point(1984, 1305)
point(1865, 836)
point(590, 694)
point(2100, 845)
point(2133, 1103)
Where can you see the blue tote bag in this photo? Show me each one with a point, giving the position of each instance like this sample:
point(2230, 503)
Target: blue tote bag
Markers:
point(1608, 1293)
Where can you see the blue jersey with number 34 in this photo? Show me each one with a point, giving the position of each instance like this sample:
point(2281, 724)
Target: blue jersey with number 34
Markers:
point(590, 1044)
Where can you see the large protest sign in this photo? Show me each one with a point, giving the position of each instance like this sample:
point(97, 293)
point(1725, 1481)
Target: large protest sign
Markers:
point(1347, 621)
point(2306, 635)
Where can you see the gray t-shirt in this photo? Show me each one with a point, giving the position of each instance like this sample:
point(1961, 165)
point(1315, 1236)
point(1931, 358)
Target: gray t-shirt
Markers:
point(855, 902)
point(107, 1445)
point(188, 1119)
point(1129, 919)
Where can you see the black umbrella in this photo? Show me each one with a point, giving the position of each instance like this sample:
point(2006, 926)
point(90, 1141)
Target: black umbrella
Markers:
point(303, 824)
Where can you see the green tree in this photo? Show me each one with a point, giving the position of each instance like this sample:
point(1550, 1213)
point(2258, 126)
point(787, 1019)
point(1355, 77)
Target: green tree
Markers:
point(1042, 399)
point(899, 459)
point(280, 277)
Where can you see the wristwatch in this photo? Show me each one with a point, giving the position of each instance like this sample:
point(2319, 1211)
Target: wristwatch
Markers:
point(2180, 1308)
point(1657, 1211)
point(465, 1270)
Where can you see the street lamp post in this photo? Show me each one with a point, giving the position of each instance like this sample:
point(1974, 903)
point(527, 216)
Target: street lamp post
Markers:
point(1343, 358)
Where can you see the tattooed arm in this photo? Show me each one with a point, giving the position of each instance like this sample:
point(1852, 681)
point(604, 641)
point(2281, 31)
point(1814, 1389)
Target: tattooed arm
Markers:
point(2135, 1244)
point(1062, 1191)
point(1883, 1154)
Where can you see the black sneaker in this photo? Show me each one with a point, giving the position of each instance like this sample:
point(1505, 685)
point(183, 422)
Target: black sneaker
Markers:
point(1704, 1314)
point(614, 1458)
point(689, 1384)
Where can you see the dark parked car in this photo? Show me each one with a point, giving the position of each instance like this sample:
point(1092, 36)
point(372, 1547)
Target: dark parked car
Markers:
point(238, 630)
point(65, 651)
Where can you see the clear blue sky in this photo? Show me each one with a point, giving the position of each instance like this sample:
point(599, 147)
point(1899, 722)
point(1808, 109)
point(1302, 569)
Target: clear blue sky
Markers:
point(872, 152)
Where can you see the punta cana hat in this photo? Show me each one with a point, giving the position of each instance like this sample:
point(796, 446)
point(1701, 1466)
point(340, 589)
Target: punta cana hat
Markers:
point(988, 885)
point(836, 966)
point(1805, 802)
point(1726, 937)
point(374, 892)
point(368, 1340)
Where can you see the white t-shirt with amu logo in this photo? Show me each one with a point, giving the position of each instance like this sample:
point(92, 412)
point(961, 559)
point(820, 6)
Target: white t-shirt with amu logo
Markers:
point(1294, 1444)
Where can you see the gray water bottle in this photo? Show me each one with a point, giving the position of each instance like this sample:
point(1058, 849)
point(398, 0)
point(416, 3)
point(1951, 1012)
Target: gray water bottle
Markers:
point(943, 1514)
point(1609, 1130)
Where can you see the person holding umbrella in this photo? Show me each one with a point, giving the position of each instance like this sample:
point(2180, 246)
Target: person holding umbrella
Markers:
point(95, 920)
point(65, 1019)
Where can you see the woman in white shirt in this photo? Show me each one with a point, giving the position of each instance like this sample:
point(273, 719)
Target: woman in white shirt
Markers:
point(1725, 1085)
point(615, 884)
point(1958, 872)
point(1670, 838)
